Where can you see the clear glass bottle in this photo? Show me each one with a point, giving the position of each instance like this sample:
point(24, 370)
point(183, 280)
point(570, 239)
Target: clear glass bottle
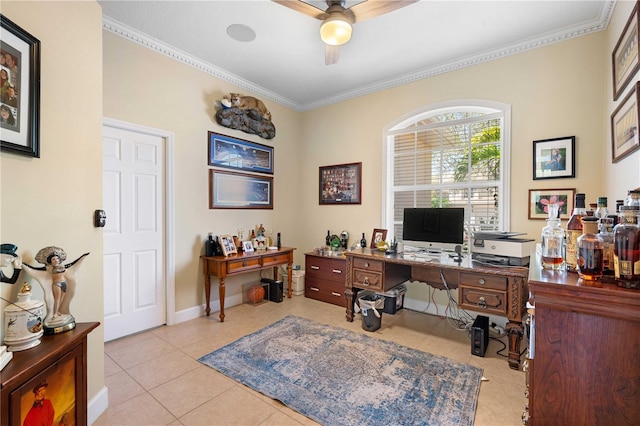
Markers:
point(590, 250)
point(626, 248)
point(633, 197)
point(552, 240)
point(363, 241)
point(606, 233)
point(602, 211)
point(574, 230)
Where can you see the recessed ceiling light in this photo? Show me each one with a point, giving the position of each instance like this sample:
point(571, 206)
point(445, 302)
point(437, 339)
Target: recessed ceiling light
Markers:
point(241, 32)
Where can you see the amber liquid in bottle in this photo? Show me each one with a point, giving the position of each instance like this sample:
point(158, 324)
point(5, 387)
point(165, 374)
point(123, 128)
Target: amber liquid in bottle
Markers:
point(590, 251)
point(574, 231)
point(626, 249)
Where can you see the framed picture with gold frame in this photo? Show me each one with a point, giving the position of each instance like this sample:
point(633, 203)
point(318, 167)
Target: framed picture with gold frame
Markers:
point(626, 61)
point(624, 126)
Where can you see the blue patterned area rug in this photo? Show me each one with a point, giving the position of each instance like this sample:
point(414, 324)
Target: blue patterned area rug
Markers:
point(339, 377)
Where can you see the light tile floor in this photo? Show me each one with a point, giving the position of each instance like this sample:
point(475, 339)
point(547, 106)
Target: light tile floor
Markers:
point(154, 377)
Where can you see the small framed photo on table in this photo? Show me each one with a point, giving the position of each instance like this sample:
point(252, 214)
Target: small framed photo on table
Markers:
point(378, 236)
point(247, 246)
point(227, 244)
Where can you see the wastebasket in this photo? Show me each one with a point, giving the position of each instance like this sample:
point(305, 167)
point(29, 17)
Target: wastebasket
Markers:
point(371, 307)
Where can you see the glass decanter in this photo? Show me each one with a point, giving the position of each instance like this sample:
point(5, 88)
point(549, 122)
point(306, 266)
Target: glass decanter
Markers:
point(553, 240)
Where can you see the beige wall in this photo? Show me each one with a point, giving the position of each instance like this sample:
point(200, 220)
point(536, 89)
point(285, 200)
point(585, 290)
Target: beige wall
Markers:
point(558, 90)
point(50, 200)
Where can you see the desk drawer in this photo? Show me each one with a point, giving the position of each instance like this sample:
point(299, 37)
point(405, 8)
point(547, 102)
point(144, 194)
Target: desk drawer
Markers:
point(367, 279)
point(370, 265)
point(483, 281)
point(326, 269)
point(489, 301)
point(325, 291)
point(276, 259)
point(242, 265)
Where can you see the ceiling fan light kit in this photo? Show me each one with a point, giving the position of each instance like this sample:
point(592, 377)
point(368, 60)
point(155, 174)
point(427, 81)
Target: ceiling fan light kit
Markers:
point(336, 29)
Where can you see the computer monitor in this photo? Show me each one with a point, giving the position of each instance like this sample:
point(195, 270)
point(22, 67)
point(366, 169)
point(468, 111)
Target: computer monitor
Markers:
point(433, 228)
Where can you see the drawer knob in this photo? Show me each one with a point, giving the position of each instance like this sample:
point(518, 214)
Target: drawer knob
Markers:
point(366, 264)
point(482, 303)
point(244, 263)
point(481, 281)
point(365, 281)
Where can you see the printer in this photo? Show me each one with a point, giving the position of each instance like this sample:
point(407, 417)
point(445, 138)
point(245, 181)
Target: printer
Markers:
point(502, 248)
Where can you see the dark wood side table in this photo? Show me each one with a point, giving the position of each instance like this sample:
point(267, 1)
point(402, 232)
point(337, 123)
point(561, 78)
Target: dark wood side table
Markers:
point(222, 266)
point(60, 360)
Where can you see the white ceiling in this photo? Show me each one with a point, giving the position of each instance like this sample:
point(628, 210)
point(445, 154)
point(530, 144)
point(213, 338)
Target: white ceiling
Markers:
point(285, 62)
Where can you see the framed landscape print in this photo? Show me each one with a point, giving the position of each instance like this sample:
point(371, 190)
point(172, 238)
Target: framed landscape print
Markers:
point(625, 55)
point(554, 158)
point(341, 184)
point(234, 153)
point(539, 200)
point(229, 190)
point(20, 90)
point(624, 126)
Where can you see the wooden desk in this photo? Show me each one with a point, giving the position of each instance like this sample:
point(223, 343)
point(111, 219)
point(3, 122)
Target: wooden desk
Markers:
point(585, 368)
point(51, 361)
point(500, 291)
point(222, 266)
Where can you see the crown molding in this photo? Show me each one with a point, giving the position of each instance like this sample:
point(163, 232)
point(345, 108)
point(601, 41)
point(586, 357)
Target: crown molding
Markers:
point(585, 28)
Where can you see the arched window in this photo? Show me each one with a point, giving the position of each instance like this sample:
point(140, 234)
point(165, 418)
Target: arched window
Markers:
point(454, 154)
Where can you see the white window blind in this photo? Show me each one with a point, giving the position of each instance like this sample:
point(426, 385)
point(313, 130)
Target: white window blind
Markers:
point(453, 157)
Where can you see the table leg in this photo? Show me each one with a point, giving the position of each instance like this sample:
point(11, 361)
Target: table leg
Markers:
point(221, 291)
point(514, 331)
point(348, 294)
point(289, 278)
point(207, 292)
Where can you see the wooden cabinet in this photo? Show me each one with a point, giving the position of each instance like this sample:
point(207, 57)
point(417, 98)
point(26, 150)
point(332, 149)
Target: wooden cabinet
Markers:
point(586, 353)
point(60, 361)
point(325, 278)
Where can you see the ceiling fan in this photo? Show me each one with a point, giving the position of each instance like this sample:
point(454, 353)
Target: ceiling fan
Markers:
point(337, 20)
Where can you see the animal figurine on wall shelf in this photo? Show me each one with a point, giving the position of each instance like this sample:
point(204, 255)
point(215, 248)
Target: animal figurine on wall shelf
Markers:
point(245, 113)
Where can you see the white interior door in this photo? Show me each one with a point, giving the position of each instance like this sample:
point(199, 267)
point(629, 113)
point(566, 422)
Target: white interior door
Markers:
point(133, 188)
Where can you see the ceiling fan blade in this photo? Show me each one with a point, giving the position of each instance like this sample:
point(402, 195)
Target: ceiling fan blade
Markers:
point(331, 54)
point(371, 8)
point(302, 7)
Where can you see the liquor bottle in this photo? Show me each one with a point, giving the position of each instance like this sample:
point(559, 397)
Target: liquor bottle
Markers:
point(363, 241)
point(552, 240)
point(602, 211)
point(210, 246)
point(574, 230)
point(626, 248)
point(278, 241)
point(590, 250)
point(328, 239)
point(606, 233)
point(633, 197)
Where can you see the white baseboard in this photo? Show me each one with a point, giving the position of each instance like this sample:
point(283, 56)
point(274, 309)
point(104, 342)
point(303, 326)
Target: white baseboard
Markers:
point(198, 311)
point(98, 405)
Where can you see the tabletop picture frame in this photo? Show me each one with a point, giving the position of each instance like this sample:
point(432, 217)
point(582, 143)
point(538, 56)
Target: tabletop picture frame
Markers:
point(230, 190)
point(227, 244)
point(539, 199)
point(20, 111)
point(247, 246)
point(341, 184)
point(378, 236)
point(624, 126)
point(625, 59)
point(233, 153)
point(554, 158)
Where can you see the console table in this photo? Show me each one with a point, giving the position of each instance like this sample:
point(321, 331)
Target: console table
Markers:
point(496, 290)
point(60, 360)
point(222, 266)
point(584, 367)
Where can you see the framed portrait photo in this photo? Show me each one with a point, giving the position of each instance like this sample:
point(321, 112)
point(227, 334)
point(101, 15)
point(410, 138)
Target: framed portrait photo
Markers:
point(247, 246)
point(379, 235)
point(20, 90)
point(624, 126)
point(554, 158)
point(539, 200)
point(341, 184)
point(625, 55)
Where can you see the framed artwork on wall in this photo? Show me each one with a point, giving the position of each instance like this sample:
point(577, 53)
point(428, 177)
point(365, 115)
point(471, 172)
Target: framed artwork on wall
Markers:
point(625, 55)
point(539, 200)
point(624, 126)
point(228, 190)
point(239, 154)
point(341, 184)
point(554, 158)
point(20, 86)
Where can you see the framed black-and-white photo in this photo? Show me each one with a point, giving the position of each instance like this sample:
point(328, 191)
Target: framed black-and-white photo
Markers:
point(234, 153)
point(554, 158)
point(625, 55)
point(247, 246)
point(341, 184)
point(624, 126)
point(19, 90)
point(229, 190)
